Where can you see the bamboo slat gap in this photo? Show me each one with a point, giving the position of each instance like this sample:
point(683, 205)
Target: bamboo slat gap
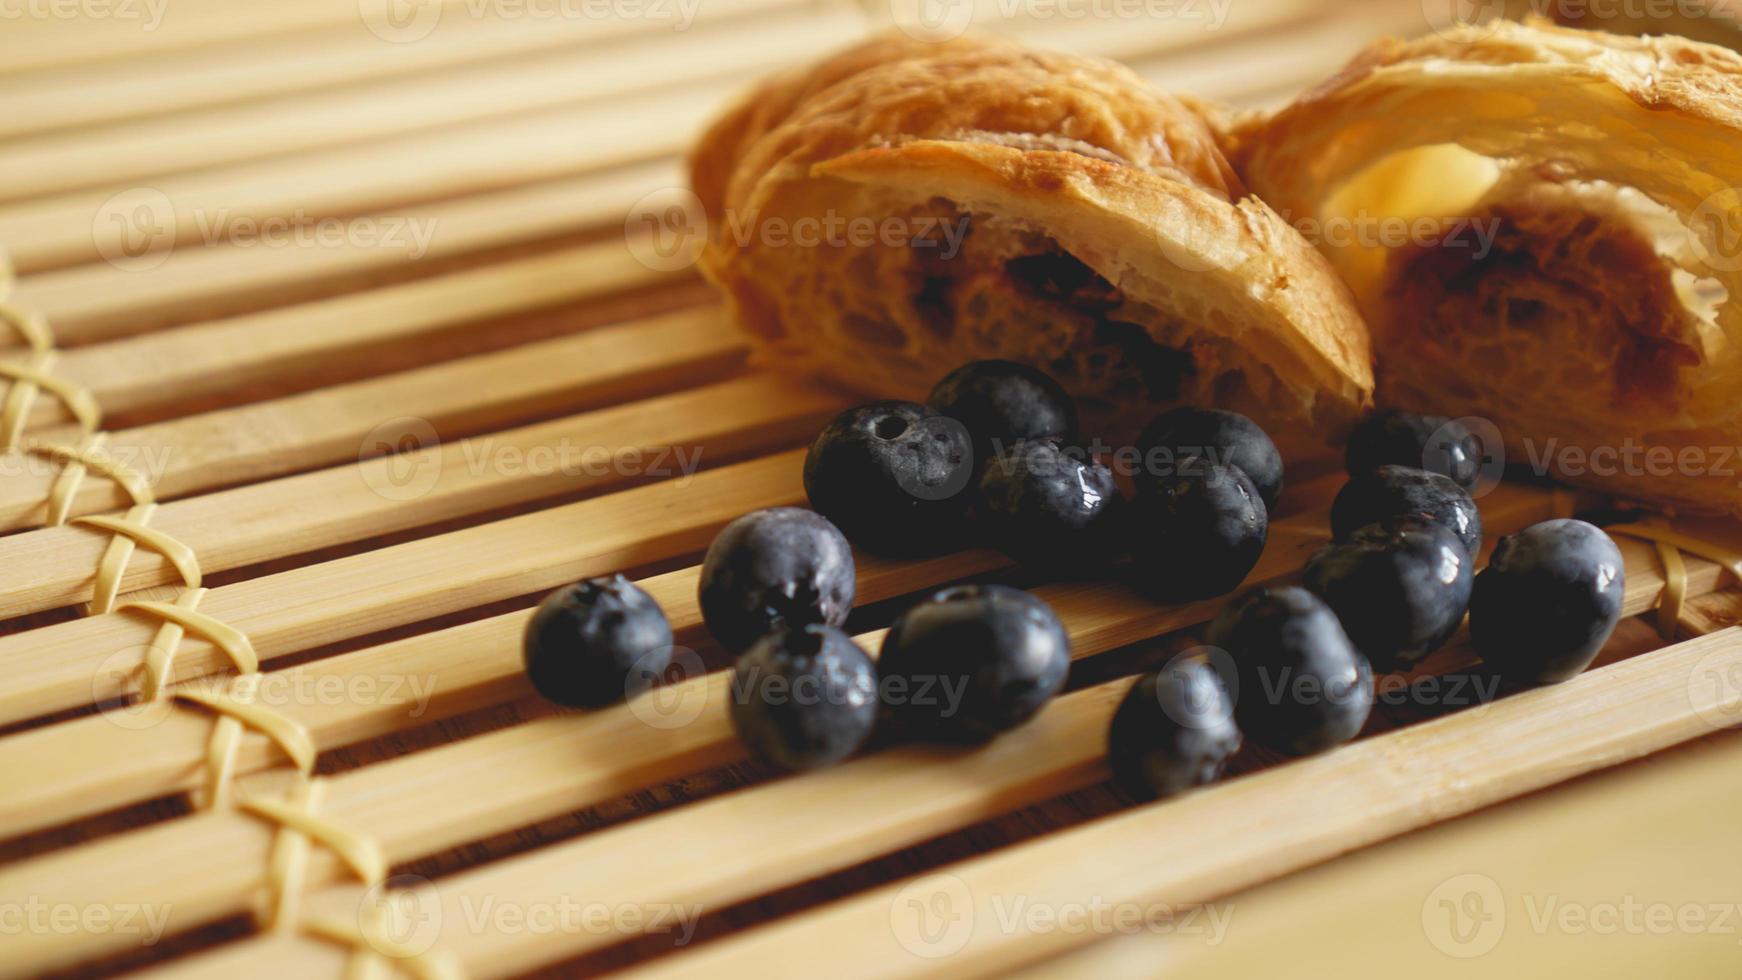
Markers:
point(194, 361)
point(102, 301)
point(1249, 829)
point(164, 84)
point(325, 426)
point(670, 436)
point(535, 771)
point(68, 665)
point(142, 151)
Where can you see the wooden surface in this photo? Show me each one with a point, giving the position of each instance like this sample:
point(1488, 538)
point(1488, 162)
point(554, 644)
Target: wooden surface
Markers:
point(347, 433)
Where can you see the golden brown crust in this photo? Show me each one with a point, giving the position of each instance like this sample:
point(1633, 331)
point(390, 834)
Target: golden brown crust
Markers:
point(1058, 169)
point(1605, 310)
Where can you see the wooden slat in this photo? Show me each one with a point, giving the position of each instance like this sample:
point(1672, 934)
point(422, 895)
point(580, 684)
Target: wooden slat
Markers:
point(1249, 829)
point(328, 425)
point(75, 228)
point(456, 669)
point(1099, 617)
point(97, 302)
point(158, 84)
point(201, 359)
point(666, 437)
point(134, 152)
point(67, 665)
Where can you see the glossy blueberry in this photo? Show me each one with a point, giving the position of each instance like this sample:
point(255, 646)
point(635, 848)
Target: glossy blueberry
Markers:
point(785, 566)
point(804, 698)
point(1301, 686)
point(894, 476)
point(1198, 532)
point(1003, 403)
point(1225, 438)
point(1174, 730)
point(1427, 442)
point(973, 661)
point(1045, 503)
point(1403, 491)
point(1547, 601)
point(596, 642)
point(1400, 588)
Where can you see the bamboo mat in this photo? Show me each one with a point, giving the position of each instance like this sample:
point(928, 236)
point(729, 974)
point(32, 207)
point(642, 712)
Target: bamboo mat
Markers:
point(355, 286)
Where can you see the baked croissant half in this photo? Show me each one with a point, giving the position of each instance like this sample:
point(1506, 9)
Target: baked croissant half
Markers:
point(1543, 228)
point(902, 208)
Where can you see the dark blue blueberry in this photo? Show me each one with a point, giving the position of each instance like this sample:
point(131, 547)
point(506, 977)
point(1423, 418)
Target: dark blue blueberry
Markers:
point(1400, 588)
point(1425, 442)
point(1003, 403)
point(1224, 438)
point(973, 661)
point(1199, 532)
point(596, 642)
point(1174, 730)
point(894, 476)
point(1547, 602)
point(785, 566)
point(804, 698)
point(1048, 504)
point(1300, 685)
point(1404, 491)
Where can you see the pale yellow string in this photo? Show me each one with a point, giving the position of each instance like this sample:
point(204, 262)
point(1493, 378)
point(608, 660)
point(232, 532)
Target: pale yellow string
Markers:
point(1669, 544)
point(295, 816)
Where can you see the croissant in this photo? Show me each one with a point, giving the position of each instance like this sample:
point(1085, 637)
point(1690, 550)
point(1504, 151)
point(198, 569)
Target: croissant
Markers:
point(1543, 229)
point(902, 208)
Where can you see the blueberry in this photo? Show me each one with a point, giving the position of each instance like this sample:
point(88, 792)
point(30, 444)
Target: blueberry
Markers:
point(804, 698)
point(785, 566)
point(596, 642)
point(1403, 491)
point(973, 661)
point(1003, 403)
point(1174, 730)
point(1400, 588)
point(1048, 504)
point(1225, 438)
point(1427, 442)
point(894, 476)
point(1547, 601)
point(1300, 685)
point(1199, 532)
